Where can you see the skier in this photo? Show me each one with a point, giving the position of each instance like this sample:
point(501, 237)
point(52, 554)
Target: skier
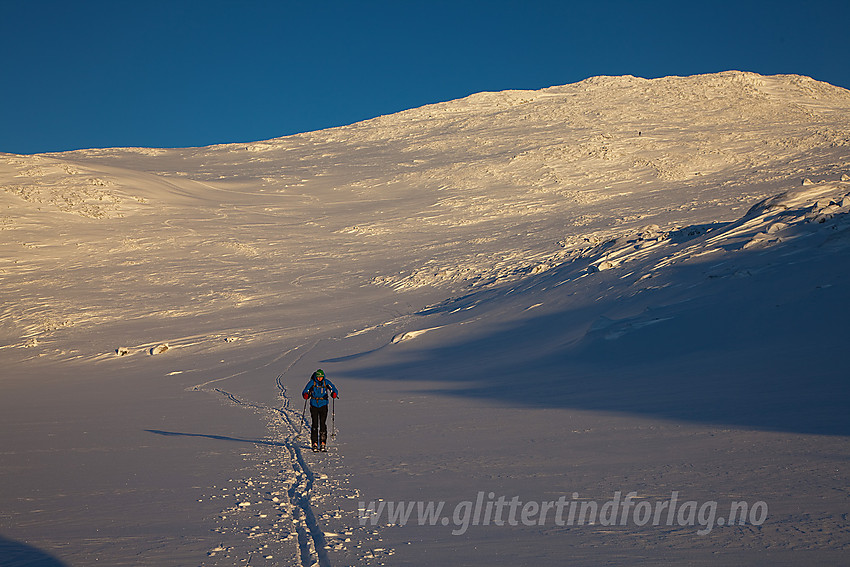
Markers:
point(317, 391)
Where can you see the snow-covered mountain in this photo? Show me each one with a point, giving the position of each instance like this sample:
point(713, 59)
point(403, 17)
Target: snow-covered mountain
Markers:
point(617, 285)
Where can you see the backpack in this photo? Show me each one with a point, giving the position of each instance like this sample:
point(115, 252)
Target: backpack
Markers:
point(322, 386)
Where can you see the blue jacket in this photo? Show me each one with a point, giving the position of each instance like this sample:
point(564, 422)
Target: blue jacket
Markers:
point(319, 392)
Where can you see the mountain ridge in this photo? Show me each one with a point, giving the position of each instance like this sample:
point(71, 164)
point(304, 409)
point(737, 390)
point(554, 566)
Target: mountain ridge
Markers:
point(418, 200)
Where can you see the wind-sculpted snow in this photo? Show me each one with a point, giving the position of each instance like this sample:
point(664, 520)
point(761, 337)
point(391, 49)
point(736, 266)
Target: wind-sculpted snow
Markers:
point(669, 251)
point(457, 194)
point(69, 188)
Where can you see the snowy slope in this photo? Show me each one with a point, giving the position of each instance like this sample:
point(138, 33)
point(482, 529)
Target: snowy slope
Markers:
point(621, 284)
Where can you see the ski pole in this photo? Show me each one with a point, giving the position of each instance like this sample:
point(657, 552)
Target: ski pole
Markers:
point(303, 417)
point(333, 418)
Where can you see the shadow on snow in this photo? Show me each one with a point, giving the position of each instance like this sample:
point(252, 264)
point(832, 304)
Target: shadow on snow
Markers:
point(764, 350)
point(17, 554)
point(216, 437)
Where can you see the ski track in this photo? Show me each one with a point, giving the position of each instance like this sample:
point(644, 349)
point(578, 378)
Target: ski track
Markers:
point(311, 539)
point(312, 543)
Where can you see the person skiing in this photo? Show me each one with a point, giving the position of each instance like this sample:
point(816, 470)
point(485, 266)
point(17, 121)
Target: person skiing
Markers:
point(317, 391)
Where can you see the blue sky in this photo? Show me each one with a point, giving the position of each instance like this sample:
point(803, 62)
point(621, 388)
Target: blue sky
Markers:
point(191, 73)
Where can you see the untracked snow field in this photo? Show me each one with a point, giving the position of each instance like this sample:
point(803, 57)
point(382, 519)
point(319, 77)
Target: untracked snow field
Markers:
point(598, 324)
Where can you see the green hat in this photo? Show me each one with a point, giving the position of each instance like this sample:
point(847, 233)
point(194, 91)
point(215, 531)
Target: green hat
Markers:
point(319, 373)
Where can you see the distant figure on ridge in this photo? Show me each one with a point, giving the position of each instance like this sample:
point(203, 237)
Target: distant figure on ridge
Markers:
point(317, 391)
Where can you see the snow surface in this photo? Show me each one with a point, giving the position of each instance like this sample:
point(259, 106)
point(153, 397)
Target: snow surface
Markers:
point(617, 285)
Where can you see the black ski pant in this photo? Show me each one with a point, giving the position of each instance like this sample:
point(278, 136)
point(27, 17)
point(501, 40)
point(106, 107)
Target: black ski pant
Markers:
point(319, 429)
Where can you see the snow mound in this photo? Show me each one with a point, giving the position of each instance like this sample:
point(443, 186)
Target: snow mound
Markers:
point(159, 349)
point(410, 335)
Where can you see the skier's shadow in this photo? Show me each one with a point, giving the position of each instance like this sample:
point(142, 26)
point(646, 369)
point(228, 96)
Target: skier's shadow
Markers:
point(216, 437)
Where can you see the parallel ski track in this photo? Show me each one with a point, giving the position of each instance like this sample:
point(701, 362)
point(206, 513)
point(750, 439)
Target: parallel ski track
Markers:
point(299, 493)
point(311, 537)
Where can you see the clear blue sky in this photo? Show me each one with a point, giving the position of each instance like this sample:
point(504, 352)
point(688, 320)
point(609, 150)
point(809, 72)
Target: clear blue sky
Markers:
point(188, 73)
